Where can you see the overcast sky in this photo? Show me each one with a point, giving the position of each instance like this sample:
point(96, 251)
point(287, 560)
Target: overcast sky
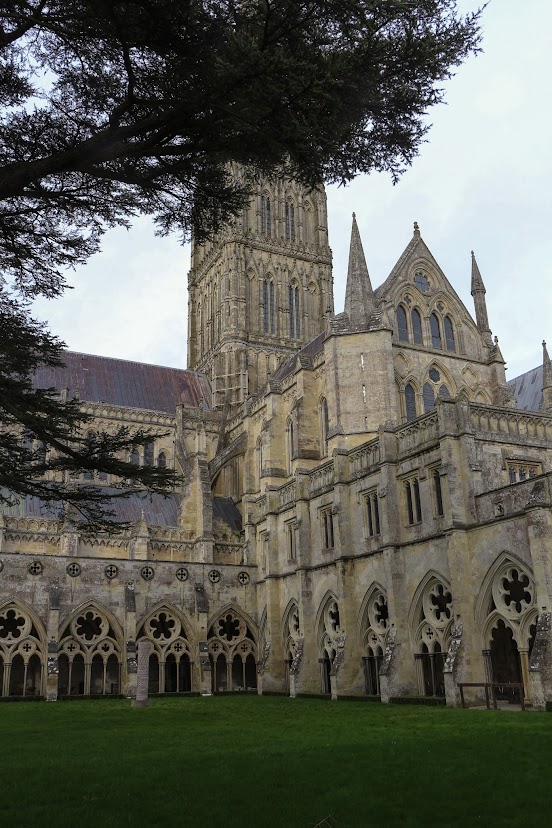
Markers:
point(483, 181)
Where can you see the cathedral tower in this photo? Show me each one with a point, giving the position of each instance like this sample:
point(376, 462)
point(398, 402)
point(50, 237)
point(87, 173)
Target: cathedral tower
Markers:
point(260, 290)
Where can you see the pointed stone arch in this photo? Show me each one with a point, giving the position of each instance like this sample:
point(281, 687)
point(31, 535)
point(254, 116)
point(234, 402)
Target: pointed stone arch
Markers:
point(170, 633)
point(22, 650)
point(328, 631)
point(430, 621)
point(233, 642)
point(373, 629)
point(91, 647)
point(506, 615)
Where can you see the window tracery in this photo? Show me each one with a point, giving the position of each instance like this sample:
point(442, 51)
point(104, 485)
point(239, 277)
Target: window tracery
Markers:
point(90, 656)
point(233, 653)
point(432, 635)
point(21, 653)
point(374, 637)
point(330, 623)
point(170, 663)
point(402, 324)
point(266, 216)
point(417, 333)
point(410, 402)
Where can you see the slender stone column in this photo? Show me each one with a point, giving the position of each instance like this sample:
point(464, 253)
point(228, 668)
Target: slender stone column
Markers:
point(145, 648)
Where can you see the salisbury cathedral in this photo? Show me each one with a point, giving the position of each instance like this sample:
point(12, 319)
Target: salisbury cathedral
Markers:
point(366, 501)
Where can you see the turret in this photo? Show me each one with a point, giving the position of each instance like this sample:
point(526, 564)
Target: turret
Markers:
point(546, 379)
point(478, 292)
point(359, 296)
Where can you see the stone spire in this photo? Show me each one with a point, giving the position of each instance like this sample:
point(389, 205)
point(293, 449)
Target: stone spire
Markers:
point(359, 296)
point(478, 292)
point(546, 379)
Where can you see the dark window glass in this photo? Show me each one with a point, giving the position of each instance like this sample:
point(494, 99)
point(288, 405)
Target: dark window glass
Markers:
point(291, 314)
point(271, 292)
point(289, 222)
point(410, 402)
point(161, 460)
point(409, 504)
point(297, 314)
point(449, 334)
point(265, 306)
point(429, 398)
point(417, 327)
point(435, 331)
point(421, 282)
point(134, 457)
point(402, 324)
point(325, 425)
point(438, 491)
point(444, 392)
point(434, 375)
point(417, 500)
point(266, 224)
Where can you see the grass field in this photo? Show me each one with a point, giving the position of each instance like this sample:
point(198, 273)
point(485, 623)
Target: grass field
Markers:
point(221, 762)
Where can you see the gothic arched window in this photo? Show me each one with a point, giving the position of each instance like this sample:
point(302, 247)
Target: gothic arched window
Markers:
point(410, 402)
point(161, 460)
point(449, 334)
point(268, 306)
point(428, 397)
point(435, 331)
point(294, 312)
point(290, 443)
point(290, 221)
point(417, 327)
point(402, 324)
point(266, 219)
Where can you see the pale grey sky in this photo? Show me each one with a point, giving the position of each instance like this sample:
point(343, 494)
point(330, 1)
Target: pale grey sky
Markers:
point(482, 181)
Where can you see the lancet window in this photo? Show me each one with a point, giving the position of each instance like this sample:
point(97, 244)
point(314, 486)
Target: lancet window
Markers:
point(417, 327)
point(233, 653)
point(170, 663)
point(433, 621)
point(268, 306)
point(89, 656)
point(294, 312)
point(374, 636)
point(291, 635)
point(330, 630)
point(21, 653)
point(410, 402)
point(402, 324)
point(289, 221)
point(266, 217)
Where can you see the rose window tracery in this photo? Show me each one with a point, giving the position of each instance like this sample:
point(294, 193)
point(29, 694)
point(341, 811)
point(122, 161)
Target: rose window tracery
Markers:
point(513, 592)
point(233, 652)
point(14, 626)
point(89, 627)
point(437, 604)
point(163, 627)
point(229, 628)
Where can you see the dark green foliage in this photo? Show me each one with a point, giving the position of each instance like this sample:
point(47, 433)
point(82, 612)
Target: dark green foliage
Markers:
point(254, 761)
point(140, 105)
point(169, 108)
point(45, 443)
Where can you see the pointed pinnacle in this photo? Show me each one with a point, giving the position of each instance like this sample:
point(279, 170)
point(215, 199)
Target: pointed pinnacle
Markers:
point(476, 280)
point(359, 296)
point(416, 230)
point(546, 367)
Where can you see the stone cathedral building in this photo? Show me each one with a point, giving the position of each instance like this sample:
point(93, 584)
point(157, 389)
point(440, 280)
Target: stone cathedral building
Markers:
point(366, 506)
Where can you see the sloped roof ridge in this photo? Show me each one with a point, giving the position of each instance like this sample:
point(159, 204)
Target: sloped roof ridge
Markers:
point(129, 361)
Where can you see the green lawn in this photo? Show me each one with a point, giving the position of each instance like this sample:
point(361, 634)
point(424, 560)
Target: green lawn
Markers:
point(267, 761)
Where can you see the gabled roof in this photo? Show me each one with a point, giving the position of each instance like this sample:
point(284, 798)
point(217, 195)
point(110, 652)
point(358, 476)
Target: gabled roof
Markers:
point(121, 382)
point(527, 389)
